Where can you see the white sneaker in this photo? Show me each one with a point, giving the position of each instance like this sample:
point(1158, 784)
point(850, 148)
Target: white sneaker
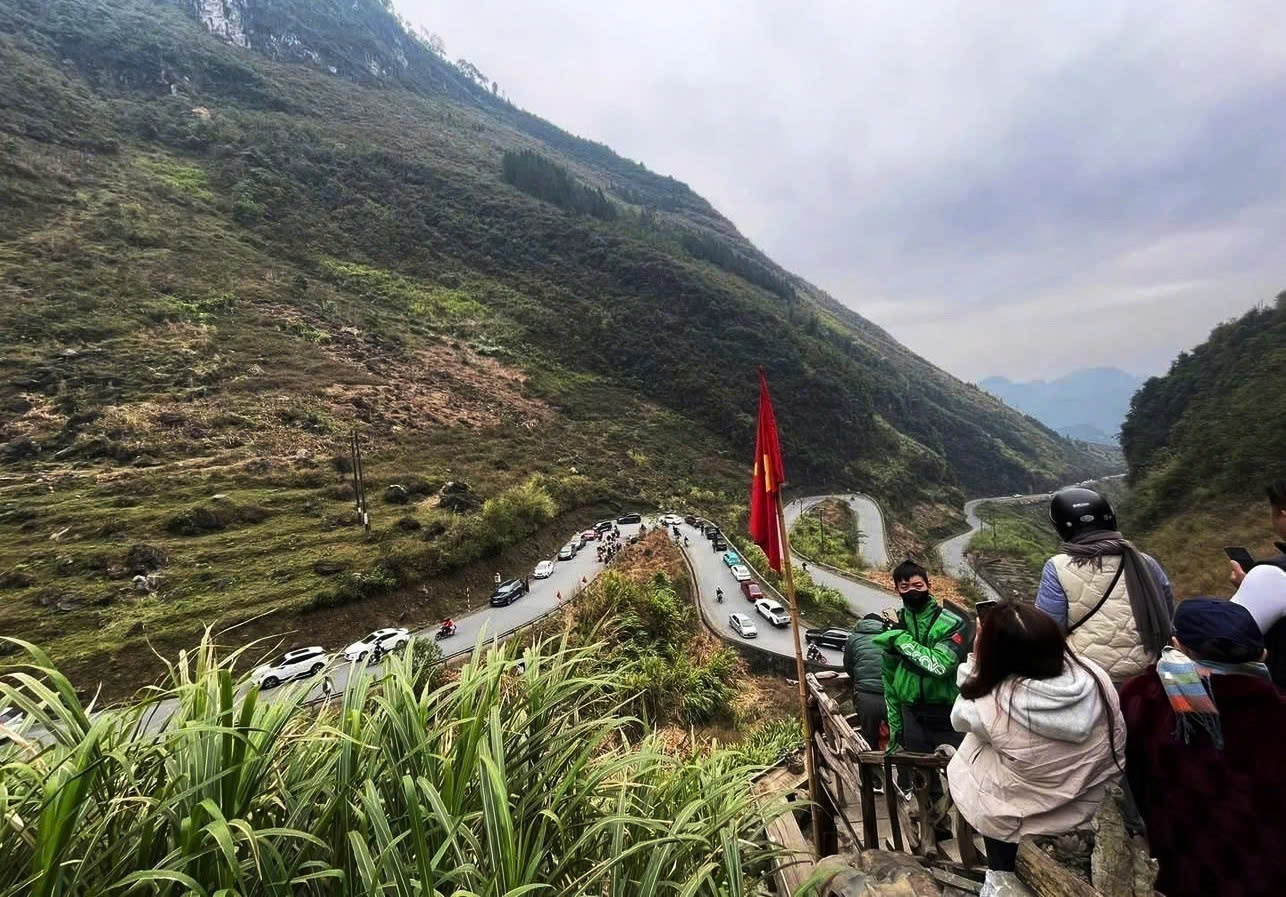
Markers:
point(1004, 884)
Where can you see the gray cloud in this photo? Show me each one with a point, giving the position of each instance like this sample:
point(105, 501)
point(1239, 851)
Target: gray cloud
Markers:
point(1008, 190)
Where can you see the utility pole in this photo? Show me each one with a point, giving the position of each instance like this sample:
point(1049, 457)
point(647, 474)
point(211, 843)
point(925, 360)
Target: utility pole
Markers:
point(359, 478)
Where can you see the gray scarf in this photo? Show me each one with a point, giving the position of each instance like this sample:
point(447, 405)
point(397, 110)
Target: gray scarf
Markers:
point(1148, 602)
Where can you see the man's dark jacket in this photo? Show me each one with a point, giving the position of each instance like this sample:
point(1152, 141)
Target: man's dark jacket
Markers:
point(1214, 818)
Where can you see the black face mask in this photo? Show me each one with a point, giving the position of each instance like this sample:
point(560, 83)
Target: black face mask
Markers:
point(915, 599)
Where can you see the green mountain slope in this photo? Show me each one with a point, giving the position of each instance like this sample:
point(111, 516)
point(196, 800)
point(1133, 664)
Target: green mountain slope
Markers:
point(236, 230)
point(1204, 440)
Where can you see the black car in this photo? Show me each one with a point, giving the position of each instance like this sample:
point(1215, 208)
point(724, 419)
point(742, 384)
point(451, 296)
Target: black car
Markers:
point(629, 518)
point(690, 520)
point(604, 526)
point(718, 544)
point(507, 593)
point(827, 638)
point(712, 532)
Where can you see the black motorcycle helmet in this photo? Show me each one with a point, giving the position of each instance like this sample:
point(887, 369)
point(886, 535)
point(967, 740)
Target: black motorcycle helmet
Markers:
point(1075, 510)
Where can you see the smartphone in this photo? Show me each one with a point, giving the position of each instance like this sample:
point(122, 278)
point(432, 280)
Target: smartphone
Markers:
point(981, 607)
point(1241, 556)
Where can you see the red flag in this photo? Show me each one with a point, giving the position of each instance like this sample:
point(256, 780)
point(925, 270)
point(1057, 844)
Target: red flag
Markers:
point(769, 474)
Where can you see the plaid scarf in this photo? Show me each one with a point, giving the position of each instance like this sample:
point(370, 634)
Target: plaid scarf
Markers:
point(1187, 685)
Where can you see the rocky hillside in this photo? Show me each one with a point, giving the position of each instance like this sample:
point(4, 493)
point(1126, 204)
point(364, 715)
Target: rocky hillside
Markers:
point(1203, 441)
point(238, 230)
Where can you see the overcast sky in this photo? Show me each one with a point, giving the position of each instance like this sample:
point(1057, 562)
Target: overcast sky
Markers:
point(1017, 189)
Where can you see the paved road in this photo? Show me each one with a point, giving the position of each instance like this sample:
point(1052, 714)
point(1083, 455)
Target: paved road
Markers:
point(869, 520)
point(952, 551)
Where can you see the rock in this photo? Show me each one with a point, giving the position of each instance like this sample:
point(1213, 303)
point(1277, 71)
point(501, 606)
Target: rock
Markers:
point(146, 461)
point(457, 498)
point(329, 568)
point(348, 518)
point(67, 603)
point(16, 579)
point(200, 112)
point(397, 494)
point(69, 353)
point(21, 448)
point(875, 873)
point(408, 523)
point(145, 559)
point(195, 522)
point(454, 487)
point(145, 584)
point(219, 496)
point(255, 370)
point(117, 571)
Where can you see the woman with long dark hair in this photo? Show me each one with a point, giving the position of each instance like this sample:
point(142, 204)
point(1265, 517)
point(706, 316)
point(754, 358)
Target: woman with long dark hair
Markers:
point(1044, 733)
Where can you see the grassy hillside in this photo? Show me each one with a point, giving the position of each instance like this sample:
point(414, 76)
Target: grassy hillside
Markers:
point(223, 256)
point(1203, 441)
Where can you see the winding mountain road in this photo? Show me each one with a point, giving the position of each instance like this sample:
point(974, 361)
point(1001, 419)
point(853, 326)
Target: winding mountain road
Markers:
point(952, 551)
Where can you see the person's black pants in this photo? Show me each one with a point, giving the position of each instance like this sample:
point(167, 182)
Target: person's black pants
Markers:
point(1001, 855)
point(924, 727)
point(871, 712)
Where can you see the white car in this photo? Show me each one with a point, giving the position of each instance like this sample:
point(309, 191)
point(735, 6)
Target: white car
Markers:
point(11, 719)
point(773, 612)
point(740, 572)
point(742, 625)
point(544, 570)
point(386, 640)
point(567, 552)
point(298, 664)
point(670, 520)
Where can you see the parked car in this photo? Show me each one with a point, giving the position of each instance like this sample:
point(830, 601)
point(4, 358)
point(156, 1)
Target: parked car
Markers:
point(507, 593)
point(827, 638)
point(742, 625)
point(10, 720)
point(719, 544)
point(385, 639)
point(712, 532)
point(773, 612)
point(670, 520)
point(298, 664)
point(544, 570)
point(690, 520)
point(567, 552)
point(740, 572)
point(604, 526)
point(577, 542)
point(590, 535)
point(629, 518)
point(730, 558)
point(752, 591)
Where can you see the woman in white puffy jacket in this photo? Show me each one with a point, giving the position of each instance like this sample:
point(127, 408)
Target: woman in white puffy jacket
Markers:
point(1044, 735)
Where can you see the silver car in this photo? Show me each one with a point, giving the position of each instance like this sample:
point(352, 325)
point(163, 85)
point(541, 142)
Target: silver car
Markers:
point(298, 664)
point(742, 625)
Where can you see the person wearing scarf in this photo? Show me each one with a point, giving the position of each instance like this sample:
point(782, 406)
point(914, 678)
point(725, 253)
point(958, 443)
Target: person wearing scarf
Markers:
point(1113, 600)
point(1205, 729)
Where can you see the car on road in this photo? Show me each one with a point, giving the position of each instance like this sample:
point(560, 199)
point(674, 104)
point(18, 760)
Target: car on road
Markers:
point(752, 591)
point(719, 545)
point(730, 558)
point(670, 520)
point(742, 625)
point(590, 535)
point(298, 664)
point(544, 570)
point(773, 612)
point(10, 719)
point(385, 639)
point(690, 520)
point(567, 552)
point(712, 532)
point(740, 572)
point(507, 593)
point(827, 638)
point(604, 526)
point(629, 518)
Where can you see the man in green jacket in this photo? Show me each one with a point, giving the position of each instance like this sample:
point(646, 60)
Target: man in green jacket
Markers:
point(864, 663)
point(922, 652)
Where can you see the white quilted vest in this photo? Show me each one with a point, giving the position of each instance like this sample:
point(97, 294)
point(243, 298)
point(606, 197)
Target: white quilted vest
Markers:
point(1109, 638)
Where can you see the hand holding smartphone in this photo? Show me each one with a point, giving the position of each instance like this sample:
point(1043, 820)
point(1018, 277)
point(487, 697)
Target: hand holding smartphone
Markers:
point(1241, 557)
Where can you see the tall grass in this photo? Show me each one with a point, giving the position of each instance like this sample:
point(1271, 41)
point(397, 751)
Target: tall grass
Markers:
point(507, 781)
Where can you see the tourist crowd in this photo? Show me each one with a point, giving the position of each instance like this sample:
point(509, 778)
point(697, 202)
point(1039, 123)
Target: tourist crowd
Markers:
point(1102, 682)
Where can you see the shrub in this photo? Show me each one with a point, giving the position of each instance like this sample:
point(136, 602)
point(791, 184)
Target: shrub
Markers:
point(145, 559)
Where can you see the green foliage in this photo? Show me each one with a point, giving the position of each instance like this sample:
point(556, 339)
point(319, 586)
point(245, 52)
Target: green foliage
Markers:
point(713, 249)
point(1205, 431)
point(500, 783)
point(833, 540)
point(1020, 533)
point(533, 173)
point(768, 742)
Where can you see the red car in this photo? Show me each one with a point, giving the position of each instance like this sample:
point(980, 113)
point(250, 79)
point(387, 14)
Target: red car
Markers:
point(752, 591)
point(590, 535)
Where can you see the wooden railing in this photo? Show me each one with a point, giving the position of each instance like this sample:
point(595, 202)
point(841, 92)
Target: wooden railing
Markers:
point(848, 769)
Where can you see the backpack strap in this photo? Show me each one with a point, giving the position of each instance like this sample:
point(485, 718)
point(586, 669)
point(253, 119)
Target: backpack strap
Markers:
point(1106, 594)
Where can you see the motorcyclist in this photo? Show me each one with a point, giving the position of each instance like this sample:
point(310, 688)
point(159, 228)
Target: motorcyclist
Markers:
point(815, 653)
point(718, 595)
point(448, 626)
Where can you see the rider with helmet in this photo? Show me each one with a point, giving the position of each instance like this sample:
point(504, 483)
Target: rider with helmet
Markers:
point(1114, 601)
point(718, 595)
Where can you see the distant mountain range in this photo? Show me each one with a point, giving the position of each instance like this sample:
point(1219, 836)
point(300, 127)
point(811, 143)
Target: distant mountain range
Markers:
point(1087, 404)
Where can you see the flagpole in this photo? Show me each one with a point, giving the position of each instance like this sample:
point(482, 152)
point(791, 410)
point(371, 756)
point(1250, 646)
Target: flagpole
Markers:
point(788, 579)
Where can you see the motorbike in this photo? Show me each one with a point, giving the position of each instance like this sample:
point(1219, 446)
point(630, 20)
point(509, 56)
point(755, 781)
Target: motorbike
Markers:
point(445, 632)
point(718, 595)
point(815, 655)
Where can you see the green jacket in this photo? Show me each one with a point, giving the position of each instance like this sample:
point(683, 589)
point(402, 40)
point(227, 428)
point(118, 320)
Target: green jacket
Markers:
point(863, 659)
point(921, 655)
